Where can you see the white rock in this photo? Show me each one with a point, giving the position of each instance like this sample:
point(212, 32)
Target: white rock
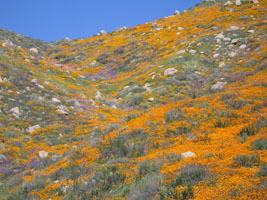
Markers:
point(15, 112)
point(34, 81)
point(93, 63)
point(237, 2)
point(218, 85)
point(243, 46)
point(67, 39)
point(40, 86)
point(234, 41)
point(151, 99)
point(234, 28)
point(55, 100)
point(251, 31)
point(102, 32)
point(43, 154)
point(98, 95)
point(8, 43)
point(228, 3)
point(62, 110)
point(170, 71)
point(227, 39)
point(146, 86)
point(232, 54)
point(192, 51)
point(34, 50)
point(66, 188)
point(180, 28)
point(216, 55)
point(176, 12)
point(33, 128)
point(58, 65)
point(180, 51)
point(221, 64)
point(220, 36)
point(188, 154)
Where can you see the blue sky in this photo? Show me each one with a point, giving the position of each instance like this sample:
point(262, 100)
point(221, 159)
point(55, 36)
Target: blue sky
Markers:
point(52, 20)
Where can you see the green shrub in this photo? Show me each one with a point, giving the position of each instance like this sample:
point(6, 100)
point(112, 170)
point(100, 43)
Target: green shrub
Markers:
point(146, 167)
point(175, 115)
point(246, 161)
point(242, 161)
point(254, 127)
point(130, 117)
point(173, 193)
point(147, 188)
point(260, 145)
point(136, 100)
point(191, 175)
point(221, 123)
point(263, 171)
point(11, 134)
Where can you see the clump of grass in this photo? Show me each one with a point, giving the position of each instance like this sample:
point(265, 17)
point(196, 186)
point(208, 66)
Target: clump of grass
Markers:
point(174, 115)
point(263, 171)
point(260, 144)
point(246, 161)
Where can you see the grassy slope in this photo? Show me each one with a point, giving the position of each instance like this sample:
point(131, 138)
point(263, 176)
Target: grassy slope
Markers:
point(123, 145)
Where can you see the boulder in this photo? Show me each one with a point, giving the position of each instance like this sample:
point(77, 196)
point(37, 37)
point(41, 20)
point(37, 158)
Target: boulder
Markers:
point(243, 46)
point(188, 154)
point(220, 36)
point(55, 100)
point(234, 41)
point(251, 31)
point(62, 110)
point(192, 51)
point(221, 64)
point(176, 12)
point(170, 71)
point(98, 95)
point(33, 128)
point(237, 2)
point(218, 85)
point(34, 50)
point(228, 3)
point(151, 99)
point(232, 54)
point(234, 28)
point(180, 51)
point(8, 43)
point(15, 112)
point(216, 55)
point(102, 32)
point(43, 154)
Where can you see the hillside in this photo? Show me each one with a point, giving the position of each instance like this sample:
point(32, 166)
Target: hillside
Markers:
point(172, 109)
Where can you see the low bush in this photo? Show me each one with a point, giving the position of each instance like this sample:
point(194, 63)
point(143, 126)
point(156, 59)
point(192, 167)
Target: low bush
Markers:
point(263, 171)
point(175, 115)
point(147, 188)
point(246, 161)
point(147, 167)
point(260, 145)
point(191, 175)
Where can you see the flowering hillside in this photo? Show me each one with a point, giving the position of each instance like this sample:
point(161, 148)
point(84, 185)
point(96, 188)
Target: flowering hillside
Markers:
point(172, 109)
